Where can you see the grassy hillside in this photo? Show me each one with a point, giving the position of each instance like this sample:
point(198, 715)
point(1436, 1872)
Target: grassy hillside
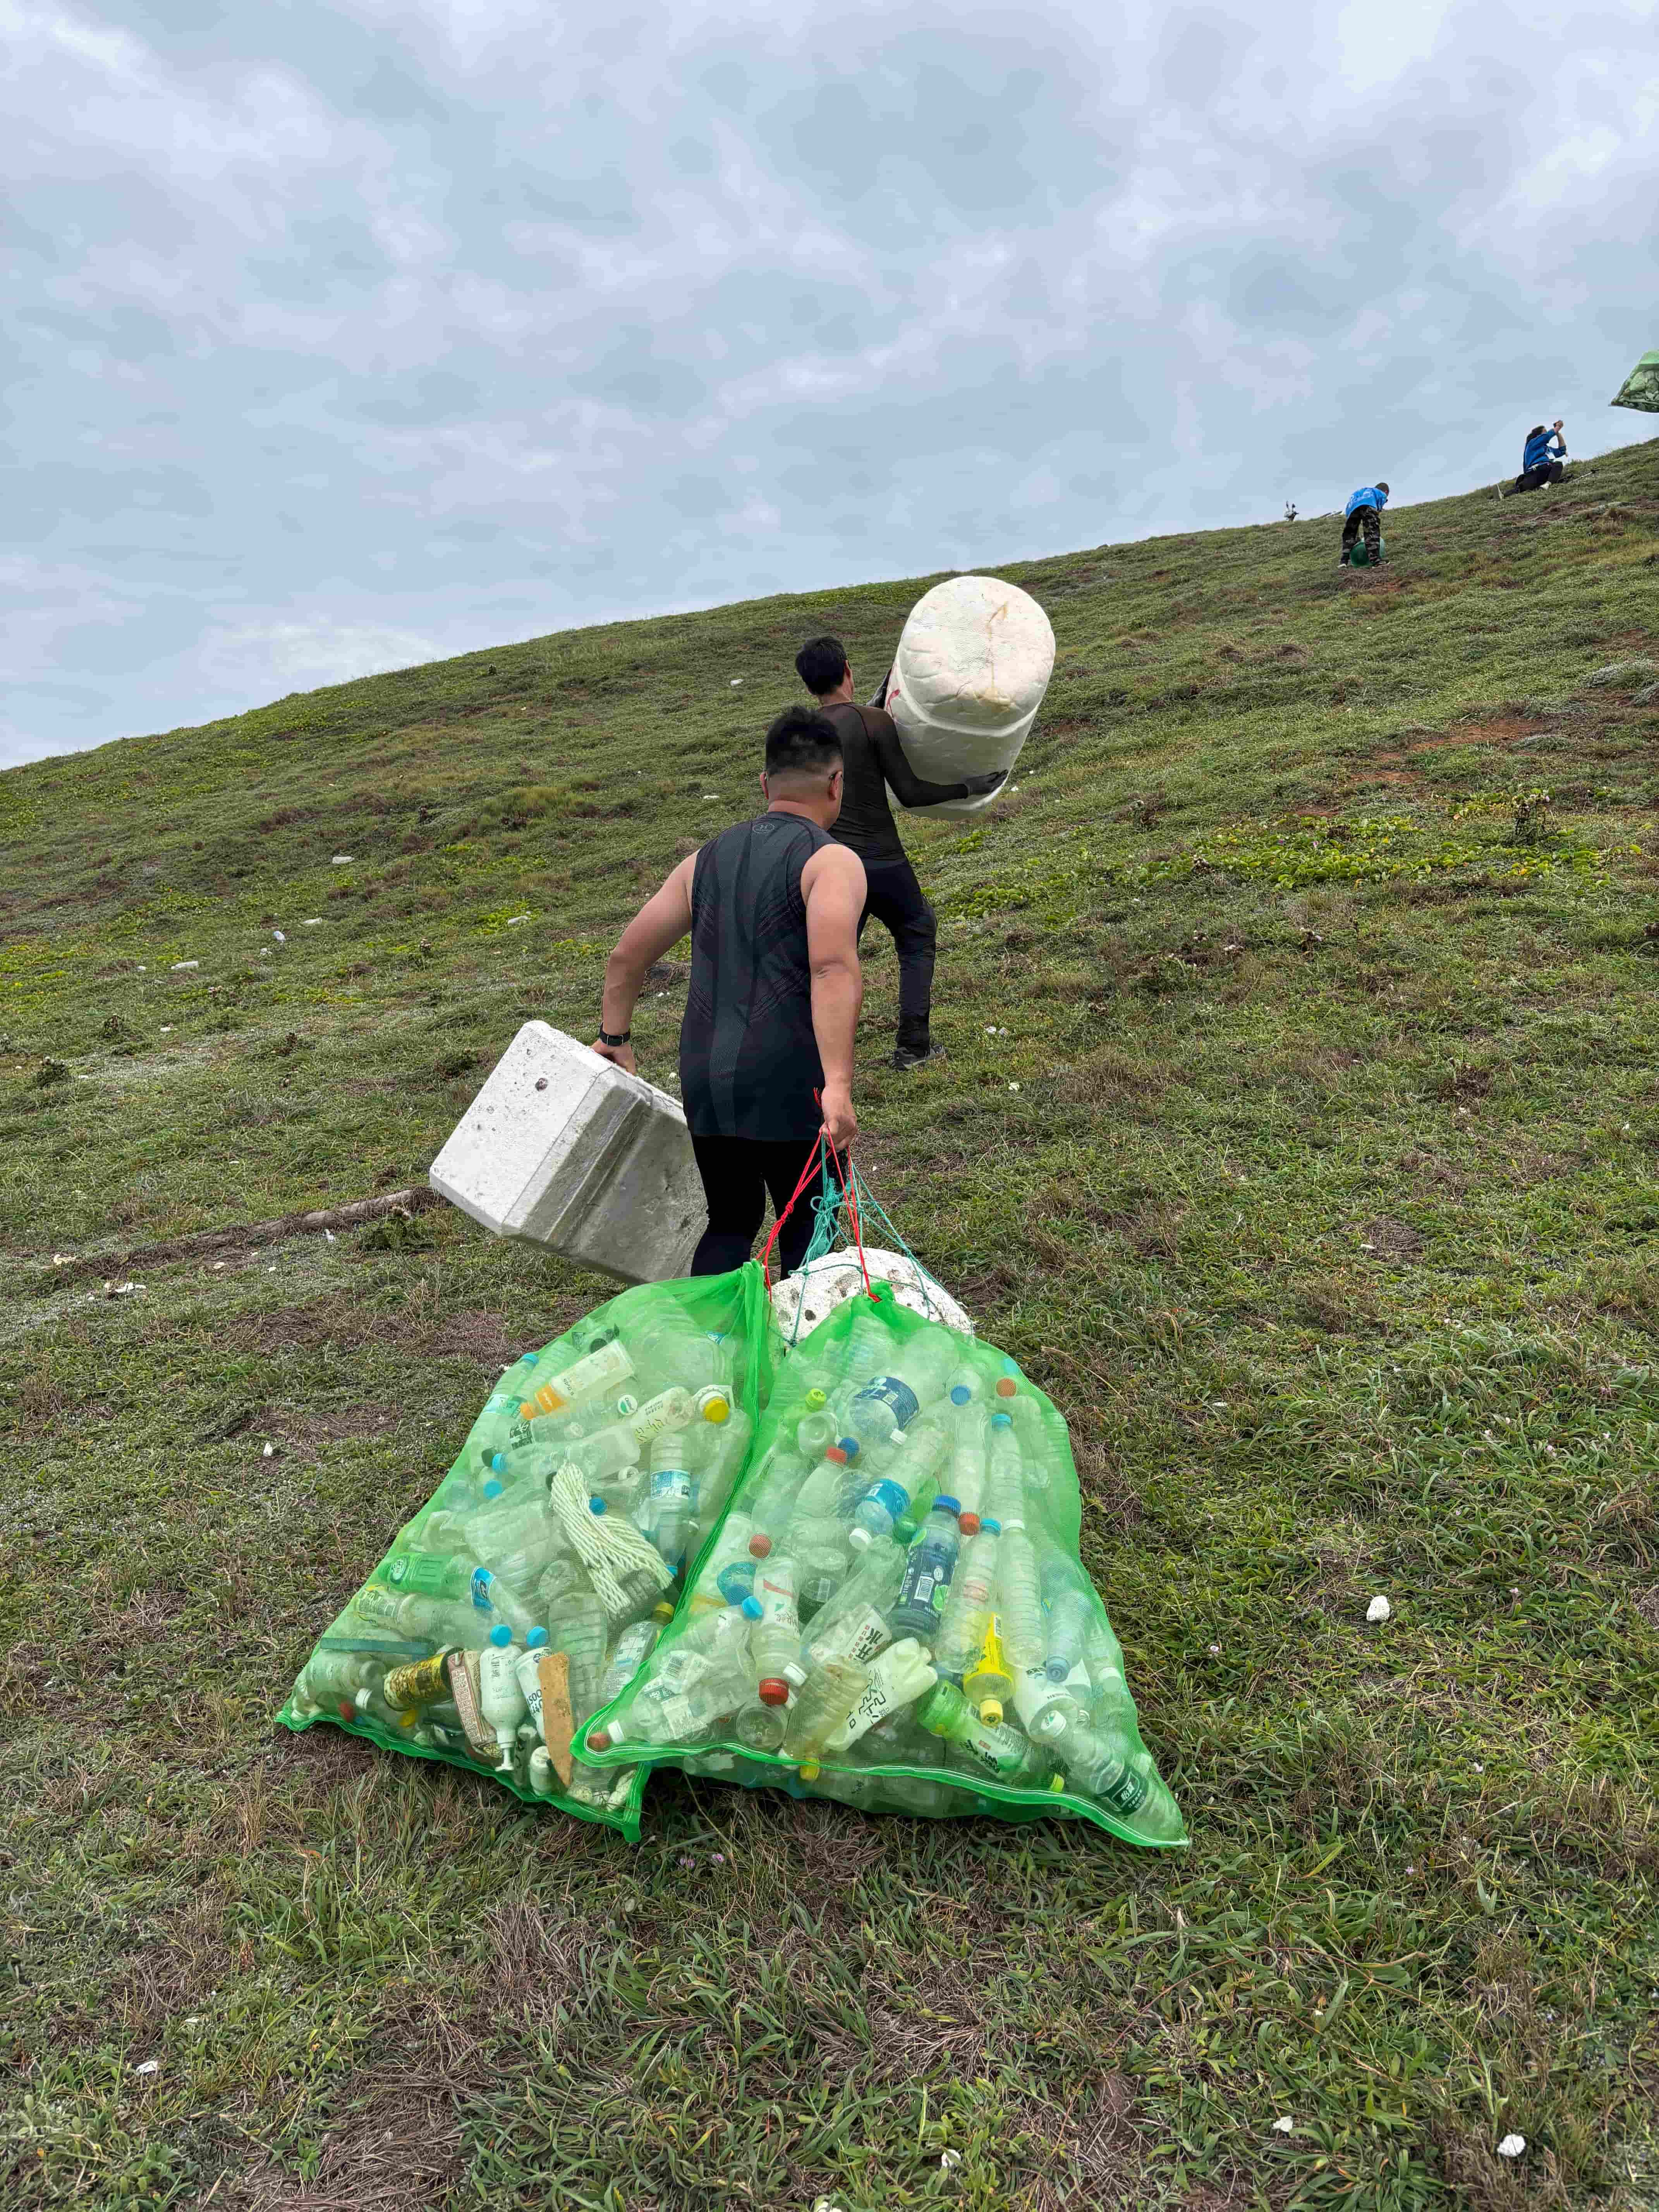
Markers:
point(1298, 1134)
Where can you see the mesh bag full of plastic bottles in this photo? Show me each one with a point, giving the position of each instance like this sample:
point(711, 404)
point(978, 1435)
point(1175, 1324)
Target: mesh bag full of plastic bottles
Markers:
point(537, 1580)
point(891, 1610)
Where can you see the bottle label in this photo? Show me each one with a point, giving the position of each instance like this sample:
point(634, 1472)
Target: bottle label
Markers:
point(669, 1409)
point(927, 1581)
point(857, 1635)
point(890, 1496)
point(897, 1396)
point(423, 1684)
point(599, 1371)
point(483, 1583)
point(736, 1581)
point(670, 1486)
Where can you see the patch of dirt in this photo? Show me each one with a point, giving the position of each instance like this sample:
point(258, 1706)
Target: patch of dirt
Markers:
point(398, 2150)
point(1392, 1240)
point(1501, 730)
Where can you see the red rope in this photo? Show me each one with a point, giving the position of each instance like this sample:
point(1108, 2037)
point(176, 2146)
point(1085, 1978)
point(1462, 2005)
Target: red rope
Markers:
point(814, 1166)
point(850, 1200)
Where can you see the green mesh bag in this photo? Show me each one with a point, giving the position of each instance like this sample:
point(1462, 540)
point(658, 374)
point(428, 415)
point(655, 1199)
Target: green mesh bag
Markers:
point(528, 1591)
point(1640, 389)
point(892, 1611)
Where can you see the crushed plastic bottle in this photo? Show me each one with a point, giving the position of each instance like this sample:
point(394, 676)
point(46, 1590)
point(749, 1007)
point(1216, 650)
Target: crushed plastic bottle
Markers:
point(901, 1674)
point(579, 1626)
point(1068, 1599)
point(605, 1369)
point(853, 1623)
point(994, 1748)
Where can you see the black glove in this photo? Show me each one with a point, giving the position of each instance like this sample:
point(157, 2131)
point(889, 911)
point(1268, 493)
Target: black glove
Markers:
point(977, 785)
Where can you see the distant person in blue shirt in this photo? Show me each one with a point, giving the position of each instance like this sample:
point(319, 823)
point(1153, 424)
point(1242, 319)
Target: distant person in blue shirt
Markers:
point(1364, 511)
point(1543, 461)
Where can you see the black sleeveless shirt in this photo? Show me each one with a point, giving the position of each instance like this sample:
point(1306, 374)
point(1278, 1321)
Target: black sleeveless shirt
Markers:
point(749, 1058)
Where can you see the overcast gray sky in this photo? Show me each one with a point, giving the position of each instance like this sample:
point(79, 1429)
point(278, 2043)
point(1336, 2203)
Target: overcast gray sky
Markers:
point(342, 336)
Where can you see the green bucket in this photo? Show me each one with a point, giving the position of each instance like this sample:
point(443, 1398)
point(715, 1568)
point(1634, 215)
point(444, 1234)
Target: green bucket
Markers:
point(1359, 558)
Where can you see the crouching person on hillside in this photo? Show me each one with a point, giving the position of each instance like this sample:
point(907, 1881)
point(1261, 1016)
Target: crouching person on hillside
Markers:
point(1543, 461)
point(773, 907)
point(1364, 511)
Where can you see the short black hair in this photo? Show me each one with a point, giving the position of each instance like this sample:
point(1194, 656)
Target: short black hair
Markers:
point(821, 664)
point(802, 742)
point(1381, 485)
point(1536, 431)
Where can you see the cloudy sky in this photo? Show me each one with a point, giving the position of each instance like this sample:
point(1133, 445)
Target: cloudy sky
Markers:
point(341, 336)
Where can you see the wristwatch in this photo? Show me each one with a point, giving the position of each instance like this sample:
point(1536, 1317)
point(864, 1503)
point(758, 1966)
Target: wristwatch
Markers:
point(605, 1036)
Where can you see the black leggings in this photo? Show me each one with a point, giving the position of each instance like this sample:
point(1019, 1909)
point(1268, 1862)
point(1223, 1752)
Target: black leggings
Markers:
point(895, 899)
point(1368, 520)
point(737, 1174)
point(1547, 472)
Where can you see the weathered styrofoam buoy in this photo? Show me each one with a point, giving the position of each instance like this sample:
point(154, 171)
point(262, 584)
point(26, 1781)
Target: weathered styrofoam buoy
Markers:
point(563, 1147)
point(973, 663)
point(802, 1300)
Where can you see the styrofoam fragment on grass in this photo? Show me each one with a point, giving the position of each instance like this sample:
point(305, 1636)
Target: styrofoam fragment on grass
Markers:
point(178, 964)
point(1282, 2124)
point(1511, 2147)
point(342, 860)
point(1379, 1608)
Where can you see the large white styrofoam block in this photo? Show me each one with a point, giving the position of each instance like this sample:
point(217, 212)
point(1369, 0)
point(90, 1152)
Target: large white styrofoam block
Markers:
point(973, 663)
point(565, 1148)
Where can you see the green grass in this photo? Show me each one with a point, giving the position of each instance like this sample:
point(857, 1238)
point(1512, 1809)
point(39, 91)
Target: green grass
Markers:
point(1325, 1205)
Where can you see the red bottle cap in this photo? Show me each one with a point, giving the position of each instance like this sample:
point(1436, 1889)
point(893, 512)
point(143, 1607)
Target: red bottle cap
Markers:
point(760, 1544)
point(970, 1524)
point(836, 1453)
point(774, 1692)
point(599, 1740)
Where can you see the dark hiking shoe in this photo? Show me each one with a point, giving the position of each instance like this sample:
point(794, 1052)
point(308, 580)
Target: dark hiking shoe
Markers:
point(911, 1051)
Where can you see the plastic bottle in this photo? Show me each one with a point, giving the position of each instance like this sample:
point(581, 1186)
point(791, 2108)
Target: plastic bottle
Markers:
point(580, 1627)
point(776, 1640)
point(854, 1624)
point(989, 1681)
point(1092, 1761)
point(681, 1714)
point(770, 1499)
point(897, 1678)
point(929, 1566)
point(1005, 1479)
point(760, 1726)
point(528, 1669)
point(902, 1474)
point(816, 1429)
point(633, 1648)
point(431, 1620)
point(671, 1495)
point(1020, 1606)
point(673, 1351)
point(877, 1411)
point(967, 1473)
point(821, 1495)
point(605, 1368)
point(708, 1640)
point(1068, 1598)
point(972, 1601)
point(824, 1698)
point(500, 1699)
point(544, 1782)
point(333, 1678)
point(729, 1573)
point(820, 1552)
point(995, 1748)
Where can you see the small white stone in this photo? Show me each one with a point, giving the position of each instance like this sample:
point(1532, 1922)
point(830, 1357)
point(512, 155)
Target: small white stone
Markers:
point(1379, 1608)
point(270, 1451)
point(736, 680)
point(513, 920)
point(1511, 2147)
point(178, 964)
point(148, 2066)
point(1013, 1086)
point(341, 860)
point(1282, 2124)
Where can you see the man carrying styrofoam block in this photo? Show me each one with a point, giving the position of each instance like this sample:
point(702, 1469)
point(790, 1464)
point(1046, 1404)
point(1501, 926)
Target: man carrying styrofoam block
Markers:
point(766, 1044)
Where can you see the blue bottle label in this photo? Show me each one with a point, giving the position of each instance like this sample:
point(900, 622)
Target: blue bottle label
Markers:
point(897, 1396)
point(483, 1580)
point(889, 1495)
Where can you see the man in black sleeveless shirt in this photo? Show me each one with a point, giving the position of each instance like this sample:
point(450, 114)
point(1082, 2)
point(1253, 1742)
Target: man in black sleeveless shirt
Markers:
point(766, 1044)
point(875, 763)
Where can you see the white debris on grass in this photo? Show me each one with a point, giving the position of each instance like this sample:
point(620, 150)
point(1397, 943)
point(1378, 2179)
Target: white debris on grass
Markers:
point(949, 2160)
point(1379, 1608)
point(1511, 2147)
point(513, 920)
point(178, 964)
point(1282, 2124)
point(312, 921)
point(342, 860)
point(148, 2066)
point(280, 936)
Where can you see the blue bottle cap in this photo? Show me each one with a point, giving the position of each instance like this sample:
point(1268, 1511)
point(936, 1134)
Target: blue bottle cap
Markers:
point(498, 1461)
point(535, 1640)
point(850, 1445)
point(944, 1504)
point(531, 1357)
point(1009, 1366)
point(1002, 1420)
point(596, 1505)
point(751, 1608)
point(960, 1393)
point(990, 1526)
point(493, 1489)
point(500, 1636)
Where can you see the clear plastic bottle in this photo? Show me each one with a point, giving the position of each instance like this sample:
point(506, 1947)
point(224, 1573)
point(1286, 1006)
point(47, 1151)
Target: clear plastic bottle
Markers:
point(439, 1622)
point(966, 1474)
point(1093, 1762)
point(820, 1496)
point(969, 1609)
point(334, 1678)
point(681, 1714)
point(672, 1350)
point(876, 1412)
point(597, 1373)
point(770, 1499)
point(776, 1640)
point(825, 1697)
point(820, 1552)
point(709, 1639)
point(729, 1573)
point(1069, 1600)
point(903, 1474)
point(500, 1699)
point(929, 1567)
point(1019, 1603)
point(1004, 1480)
point(761, 1726)
point(580, 1627)
point(673, 1496)
point(631, 1650)
point(854, 1624)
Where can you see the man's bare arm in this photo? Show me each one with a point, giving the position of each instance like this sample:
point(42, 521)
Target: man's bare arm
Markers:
point(660, 922)
point(833, 884)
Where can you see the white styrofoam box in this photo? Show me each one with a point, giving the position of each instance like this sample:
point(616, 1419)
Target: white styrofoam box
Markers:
point(814, 1292)
point(973, 663)
point(567, 1149)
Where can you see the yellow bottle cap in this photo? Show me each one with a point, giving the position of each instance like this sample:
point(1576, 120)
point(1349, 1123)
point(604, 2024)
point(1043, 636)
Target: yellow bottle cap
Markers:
point(809, 1770)
point(991, 1712)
